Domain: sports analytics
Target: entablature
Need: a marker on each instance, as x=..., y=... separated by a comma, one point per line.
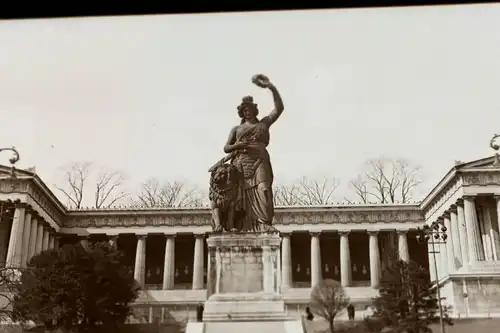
x=472, y=178
x=346, y=214
x=25, y=189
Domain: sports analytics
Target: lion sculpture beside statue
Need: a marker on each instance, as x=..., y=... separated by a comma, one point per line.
x=223, y=195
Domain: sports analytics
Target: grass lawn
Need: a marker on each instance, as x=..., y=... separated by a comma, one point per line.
x=460, y=326
x=129, y=328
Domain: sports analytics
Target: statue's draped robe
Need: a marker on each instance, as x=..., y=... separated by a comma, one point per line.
x=255, y=190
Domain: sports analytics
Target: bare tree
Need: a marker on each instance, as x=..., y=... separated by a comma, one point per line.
x=287, y=195
x=153, y=193
x=328, y=298
x=76, y=176
x=106, y=187
x=318, y=192
x=386, y=181
x=306, y=192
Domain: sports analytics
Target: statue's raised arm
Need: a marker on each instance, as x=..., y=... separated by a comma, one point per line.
x=263, y=81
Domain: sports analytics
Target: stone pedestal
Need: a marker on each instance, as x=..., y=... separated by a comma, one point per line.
x=244, y=286
x=244, y=277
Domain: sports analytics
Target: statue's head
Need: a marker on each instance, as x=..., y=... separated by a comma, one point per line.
x=247, y=108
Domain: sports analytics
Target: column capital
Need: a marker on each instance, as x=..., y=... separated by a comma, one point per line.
x=19, y=204
x=446, y=214
x=453, y=209
x=469, y=197
x=344, y=233
x=497, y=197
x=35, y=215
x=460, y=202
x=285, y=233
x=170, y=235
x=44, y=223
x=199, y=235
x=372, y=232
x=401, y=231
x=141, y=236
x=315, y=233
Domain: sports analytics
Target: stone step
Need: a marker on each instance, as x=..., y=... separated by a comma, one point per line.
x=294, y=326
x=153, y=297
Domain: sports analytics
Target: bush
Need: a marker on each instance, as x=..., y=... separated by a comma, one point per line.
x=75, y=286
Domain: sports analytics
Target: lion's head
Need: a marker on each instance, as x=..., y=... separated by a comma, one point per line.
x=223, y=184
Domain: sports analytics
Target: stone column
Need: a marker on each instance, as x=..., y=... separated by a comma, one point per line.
x=443, y=253
x=198, y=262
x=39, y=237
x=462, y=233
x=345, y=260
x=476, y=252
x=450, y=252
x=33, y=237
x=374, y=259
x=403, y=251
x=56, y=241
x=14, y=251
x=45, y=242
x=485, y=229
x=52, y=238
x=455, y=235
x=140, y=260
x=495, y=235
x=286, y=261
x=26, y=238
x=316, y=271
x=169, y=264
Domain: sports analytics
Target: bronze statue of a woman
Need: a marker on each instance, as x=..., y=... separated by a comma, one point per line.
x=241, y=193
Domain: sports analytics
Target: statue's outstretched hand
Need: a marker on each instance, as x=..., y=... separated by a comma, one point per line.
x=261, y=80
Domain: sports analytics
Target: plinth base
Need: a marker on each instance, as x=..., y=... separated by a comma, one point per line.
x=244, y=307
x=244, y=291
x=292, y=326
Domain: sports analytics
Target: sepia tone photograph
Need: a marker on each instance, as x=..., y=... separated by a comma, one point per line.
x=305, y=171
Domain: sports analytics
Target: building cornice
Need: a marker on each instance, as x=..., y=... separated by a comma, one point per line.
x=477, y=166
x=37, y=195
x=283, y=216
x=438, y=189
x=38, y=182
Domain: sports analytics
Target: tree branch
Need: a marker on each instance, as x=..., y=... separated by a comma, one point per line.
x=386, y=181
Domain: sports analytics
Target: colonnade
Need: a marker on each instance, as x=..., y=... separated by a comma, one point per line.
x=472, y=225
x=29, y=235
x=169, y=262
x=286, y=259
x=345, y=258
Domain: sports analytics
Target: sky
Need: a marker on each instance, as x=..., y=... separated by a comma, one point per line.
x=156, y=96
